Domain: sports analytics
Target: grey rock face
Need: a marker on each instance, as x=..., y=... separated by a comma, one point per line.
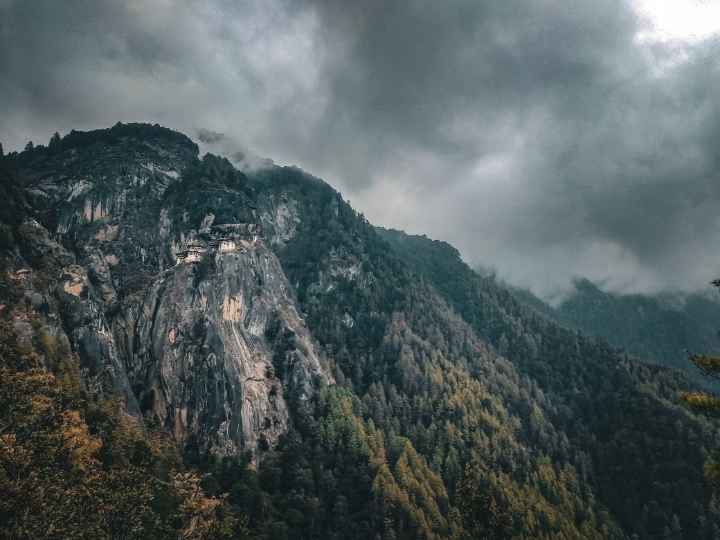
x=201, y=350
x=161, y=275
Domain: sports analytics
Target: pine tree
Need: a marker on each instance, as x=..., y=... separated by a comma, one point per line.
x=675, y=528
x=54, y=141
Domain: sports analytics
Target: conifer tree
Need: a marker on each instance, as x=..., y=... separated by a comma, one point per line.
x=54, y=141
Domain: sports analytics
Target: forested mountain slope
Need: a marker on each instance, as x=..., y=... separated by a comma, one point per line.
x=661, y=329
x=327, y=379
x=596, y=391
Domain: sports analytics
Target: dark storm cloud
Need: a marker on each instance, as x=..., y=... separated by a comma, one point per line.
x=541, y=137
x=90, y=63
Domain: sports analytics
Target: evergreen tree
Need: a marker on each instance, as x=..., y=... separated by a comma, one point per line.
x=675, y=528
x=54, y=141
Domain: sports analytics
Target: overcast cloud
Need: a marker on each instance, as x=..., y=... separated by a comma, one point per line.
x=547, y=139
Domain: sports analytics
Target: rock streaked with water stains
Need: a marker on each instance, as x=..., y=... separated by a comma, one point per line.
x=162, y=277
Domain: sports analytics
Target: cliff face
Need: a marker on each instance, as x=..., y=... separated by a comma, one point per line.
x=157, y=269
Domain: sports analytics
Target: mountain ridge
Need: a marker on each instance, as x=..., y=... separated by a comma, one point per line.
x=336, y=379
x=662, y=329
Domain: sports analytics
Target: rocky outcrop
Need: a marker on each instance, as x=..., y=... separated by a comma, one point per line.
x=157, y=267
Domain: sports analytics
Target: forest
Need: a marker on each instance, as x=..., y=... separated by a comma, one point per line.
x=453, y=410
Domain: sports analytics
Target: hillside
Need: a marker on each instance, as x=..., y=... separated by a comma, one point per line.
x=325, y=379
x=661, y=329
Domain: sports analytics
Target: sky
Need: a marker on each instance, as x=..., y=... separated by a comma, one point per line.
x=546, y=139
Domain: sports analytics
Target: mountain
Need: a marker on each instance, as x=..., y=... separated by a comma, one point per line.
x=290, y=371
x=660, y=328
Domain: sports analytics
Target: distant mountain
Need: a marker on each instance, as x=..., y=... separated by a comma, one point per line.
x=189, y=350
x=660, y=329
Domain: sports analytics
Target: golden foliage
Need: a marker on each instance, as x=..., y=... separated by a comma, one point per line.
x=75, y=467
x=701, y=401
x=77, y=440
x=709, y=365
x=712, y=472
x=196, y=511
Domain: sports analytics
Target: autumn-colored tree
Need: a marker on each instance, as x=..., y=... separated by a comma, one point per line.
x=484, y=509
x=706, y=403
x=75, y=467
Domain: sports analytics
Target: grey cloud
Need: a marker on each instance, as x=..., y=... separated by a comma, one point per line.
x=540, y=136
x=82, y=64
x=547, y=141
x=208, y=136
